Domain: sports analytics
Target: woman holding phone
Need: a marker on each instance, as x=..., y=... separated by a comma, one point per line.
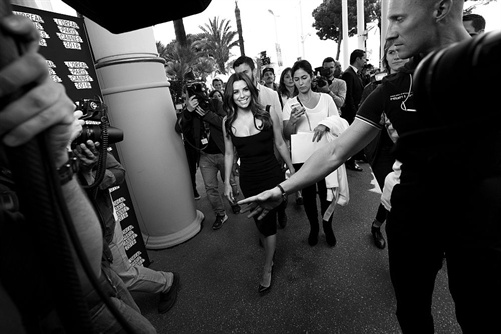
x=303, y=113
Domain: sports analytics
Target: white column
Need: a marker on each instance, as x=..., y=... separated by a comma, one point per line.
x=384, y=24
x=361, y=24
x=135, y=88
x=344, y=44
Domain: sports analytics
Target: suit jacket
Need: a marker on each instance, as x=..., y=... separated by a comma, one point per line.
x=354, y=90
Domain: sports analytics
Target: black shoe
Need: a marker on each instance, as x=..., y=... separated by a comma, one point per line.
x=329, y=233
x=353, y=166
x=282, y=218
x=313, y=237
x=378, y=237
x=168, y=299
x=262, y=289
x=235, y=209
x=220, y=220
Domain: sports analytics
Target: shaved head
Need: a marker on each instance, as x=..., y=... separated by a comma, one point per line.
x=421, y=26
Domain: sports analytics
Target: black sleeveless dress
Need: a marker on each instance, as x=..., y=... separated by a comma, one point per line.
x=259, y=171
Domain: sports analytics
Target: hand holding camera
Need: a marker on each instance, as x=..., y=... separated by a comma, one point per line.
x=88, y=154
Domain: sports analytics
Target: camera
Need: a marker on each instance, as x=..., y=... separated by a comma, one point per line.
x=321, y=78
x=96, y=126
x=199, y=90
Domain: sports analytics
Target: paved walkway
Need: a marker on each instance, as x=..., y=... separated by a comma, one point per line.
x=345, y=289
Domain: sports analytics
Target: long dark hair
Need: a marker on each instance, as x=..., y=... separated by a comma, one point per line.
x=230, y=106
x=384, y=61
x=282, y=89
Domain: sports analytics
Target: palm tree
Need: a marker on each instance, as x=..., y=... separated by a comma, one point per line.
x=240, y=31
x=180, y=32
x=179, y=60
x=218, y=40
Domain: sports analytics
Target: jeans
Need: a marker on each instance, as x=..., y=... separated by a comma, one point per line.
x=210, y=164
x=105, y=322
x=136, y=277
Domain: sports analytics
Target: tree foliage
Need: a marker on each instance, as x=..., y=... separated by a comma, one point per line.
x=328, y=18
x=217, y=41
x=180, y=59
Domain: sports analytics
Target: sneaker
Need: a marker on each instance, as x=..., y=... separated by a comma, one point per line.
x=168, y=299
x=196, y=195
x=235, y=209
x=218, y=223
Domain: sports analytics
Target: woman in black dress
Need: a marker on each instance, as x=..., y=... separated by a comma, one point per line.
x=252, y=129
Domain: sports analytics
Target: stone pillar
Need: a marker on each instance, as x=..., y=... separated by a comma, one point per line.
x=135, y=88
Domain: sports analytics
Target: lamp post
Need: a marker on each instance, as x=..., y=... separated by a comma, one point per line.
x=277, y=45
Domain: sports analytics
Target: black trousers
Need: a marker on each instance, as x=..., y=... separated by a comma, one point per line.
x=458, y=220
x=193, y=157
x=310, y=199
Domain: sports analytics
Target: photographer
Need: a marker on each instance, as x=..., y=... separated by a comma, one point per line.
x=27, y=274
x=136, y=278
x=208, y=145
x=335, y=87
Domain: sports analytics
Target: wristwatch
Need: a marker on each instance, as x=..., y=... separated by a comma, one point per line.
x=284, y=194
x=69, y=168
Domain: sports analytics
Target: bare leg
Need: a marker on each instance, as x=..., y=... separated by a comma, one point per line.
x=269, y=249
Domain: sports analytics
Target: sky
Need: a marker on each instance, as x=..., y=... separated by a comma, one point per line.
x=290, y=20
x=290, y=25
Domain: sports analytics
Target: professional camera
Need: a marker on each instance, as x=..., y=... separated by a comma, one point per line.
x=198, y=89
x=321, y=78
x=96, y=127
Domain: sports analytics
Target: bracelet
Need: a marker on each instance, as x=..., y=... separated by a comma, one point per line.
x=284, y=194
x=69, y=168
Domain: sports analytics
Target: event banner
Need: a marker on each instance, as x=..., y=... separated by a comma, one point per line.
x=70, y=62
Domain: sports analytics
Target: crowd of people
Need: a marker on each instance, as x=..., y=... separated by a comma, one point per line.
x=254, y=135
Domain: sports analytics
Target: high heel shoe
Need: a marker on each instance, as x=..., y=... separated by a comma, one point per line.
x=262, y=289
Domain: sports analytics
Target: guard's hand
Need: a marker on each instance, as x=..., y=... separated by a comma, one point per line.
x=262, y=203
